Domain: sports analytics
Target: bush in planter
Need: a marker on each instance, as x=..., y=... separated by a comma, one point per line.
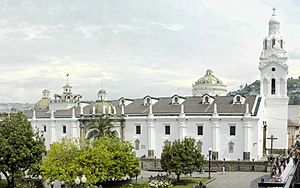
x=159, y=184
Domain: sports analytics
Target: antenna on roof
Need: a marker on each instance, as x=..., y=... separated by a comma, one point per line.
x=67, y=77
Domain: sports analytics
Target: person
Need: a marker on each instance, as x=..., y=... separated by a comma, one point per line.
x=223, y=169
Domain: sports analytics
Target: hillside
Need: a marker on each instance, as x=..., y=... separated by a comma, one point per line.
x=293, y=86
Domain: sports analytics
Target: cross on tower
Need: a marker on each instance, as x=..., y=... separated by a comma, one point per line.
x=67, y=77
x=274, y=9
x=272, y=138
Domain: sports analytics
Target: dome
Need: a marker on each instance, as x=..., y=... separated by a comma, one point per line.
x=209, y=78
x=102, y=105
x=209, y=84
x=42, y=104
x=46, y=91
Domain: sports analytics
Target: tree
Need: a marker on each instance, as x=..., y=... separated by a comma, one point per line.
x=20, y=147
x=104, y=159
x=61, y=161
x=181, y=157
x=102, y=127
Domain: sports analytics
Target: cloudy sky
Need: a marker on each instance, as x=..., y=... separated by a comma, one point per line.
x=135, y=47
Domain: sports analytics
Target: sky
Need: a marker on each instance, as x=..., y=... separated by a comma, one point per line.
x=134, y=48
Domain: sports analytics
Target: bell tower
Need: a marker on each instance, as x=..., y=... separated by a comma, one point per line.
x=273, y=84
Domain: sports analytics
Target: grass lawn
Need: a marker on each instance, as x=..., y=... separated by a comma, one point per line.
x=189, y=182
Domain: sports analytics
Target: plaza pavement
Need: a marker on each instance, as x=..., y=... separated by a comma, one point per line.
x=228, y=180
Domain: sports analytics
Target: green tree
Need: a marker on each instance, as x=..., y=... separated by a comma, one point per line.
x=61, y=161
x=102, y=126
x=181, y=157
x=20, y=147
x=104, y=159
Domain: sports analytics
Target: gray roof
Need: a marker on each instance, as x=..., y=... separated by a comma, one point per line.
x=192, y=106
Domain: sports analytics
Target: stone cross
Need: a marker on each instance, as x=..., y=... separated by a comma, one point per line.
x=272, y=138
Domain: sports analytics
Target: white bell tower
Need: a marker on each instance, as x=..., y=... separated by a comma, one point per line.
x=273, y=85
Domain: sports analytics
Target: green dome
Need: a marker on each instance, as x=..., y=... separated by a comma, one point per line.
x=99, y=105
x=209, y=78
x=42, y=104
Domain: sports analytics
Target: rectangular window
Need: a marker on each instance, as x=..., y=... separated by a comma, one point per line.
x=45, y=128
x=138, y=129
x=167, y=130
x=232, y=130
x=200, y=130
x=64, y=129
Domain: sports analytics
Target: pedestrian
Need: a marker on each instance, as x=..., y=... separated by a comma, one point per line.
x=223, y=170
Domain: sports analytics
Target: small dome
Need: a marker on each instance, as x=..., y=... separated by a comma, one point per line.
x=102, y=105
x=67, y=86
x=46, y=91
x=102, y=94
x=209, y=78
x=42, y=104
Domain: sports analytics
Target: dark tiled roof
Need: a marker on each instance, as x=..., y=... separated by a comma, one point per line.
x=164, y=106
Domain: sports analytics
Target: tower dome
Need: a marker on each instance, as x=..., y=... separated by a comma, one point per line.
x=209, y=84
x=43, y=103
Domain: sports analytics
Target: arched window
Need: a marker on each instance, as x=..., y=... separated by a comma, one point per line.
x=273, y=43
x=265, y=44
x=281, y=44
x=199, y=146
x=148, y=101
x=137, y=144
x=273, y=87
x=123, y=102
x=230, y=147
x=206, y=100
x=176, y=100
x=238, y=99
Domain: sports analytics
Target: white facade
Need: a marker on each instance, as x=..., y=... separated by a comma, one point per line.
x=231, y=125
x=274, y=71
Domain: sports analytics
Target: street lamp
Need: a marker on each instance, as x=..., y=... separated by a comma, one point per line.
x=77, y=181
x=209, y=159
x=83, y=181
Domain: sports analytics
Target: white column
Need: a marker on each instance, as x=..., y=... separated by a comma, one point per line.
x=53, y=137
x=151, y=136
x=277, y=89
x=74, y=130
x=182, y=125
x=182, y=130
x=247, y=136
x=216, y=136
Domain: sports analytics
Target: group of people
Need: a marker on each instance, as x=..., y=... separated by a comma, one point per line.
x=279, y=165
x=200, y=185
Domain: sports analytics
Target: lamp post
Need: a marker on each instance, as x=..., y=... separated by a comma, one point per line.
x=77, y=181
x=209, y=159
x=82, y=181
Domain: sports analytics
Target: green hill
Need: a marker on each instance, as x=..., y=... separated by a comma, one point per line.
x=293, y=87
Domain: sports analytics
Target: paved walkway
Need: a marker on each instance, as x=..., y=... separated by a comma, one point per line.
x=228, y=180
x=237, y=179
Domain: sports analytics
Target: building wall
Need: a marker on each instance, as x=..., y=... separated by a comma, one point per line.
x=191, y=124
x=54, y=129
x=276, y=114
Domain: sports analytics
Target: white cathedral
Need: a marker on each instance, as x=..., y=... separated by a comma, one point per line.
x=235, y=127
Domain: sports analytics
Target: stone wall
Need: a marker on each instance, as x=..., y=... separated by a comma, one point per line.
x=152, y=164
